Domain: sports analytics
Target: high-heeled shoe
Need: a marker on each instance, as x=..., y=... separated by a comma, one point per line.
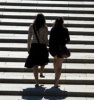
x=42, y=76
x=56, y=86
x=37, y=85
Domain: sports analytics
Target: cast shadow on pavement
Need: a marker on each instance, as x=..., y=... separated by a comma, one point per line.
x=41, y=93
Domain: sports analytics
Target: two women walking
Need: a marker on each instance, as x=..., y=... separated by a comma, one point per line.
x=37, y=46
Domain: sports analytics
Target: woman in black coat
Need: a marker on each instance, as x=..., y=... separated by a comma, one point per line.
x=59, y=36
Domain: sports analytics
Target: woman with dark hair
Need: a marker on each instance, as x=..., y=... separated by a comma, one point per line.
x=59, y=36
x=37, y=46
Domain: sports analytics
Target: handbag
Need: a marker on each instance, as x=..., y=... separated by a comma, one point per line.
x=67, y=52
x=63, y=51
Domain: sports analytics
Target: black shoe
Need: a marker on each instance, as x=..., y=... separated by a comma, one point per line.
x=36, y=85
x=42, y=76
x=56, y=86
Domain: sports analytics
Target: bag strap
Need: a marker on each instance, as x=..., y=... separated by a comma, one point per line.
x=36, y=34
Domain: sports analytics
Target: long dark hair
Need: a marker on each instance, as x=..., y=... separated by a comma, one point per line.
x=39, y=21
x=59, y=22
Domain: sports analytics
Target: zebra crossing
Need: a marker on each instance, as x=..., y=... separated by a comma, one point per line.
x=77, y=79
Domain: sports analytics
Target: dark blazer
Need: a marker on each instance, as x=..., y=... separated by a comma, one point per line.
x=59, y=36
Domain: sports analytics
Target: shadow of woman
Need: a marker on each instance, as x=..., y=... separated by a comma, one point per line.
x=55, y=94
x=43, y=93
x=33, y=93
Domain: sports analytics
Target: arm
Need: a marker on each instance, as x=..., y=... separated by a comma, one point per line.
x=46, y=35
x=68, y=37
x=29, y=39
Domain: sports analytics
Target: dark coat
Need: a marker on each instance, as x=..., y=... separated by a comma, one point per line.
x=59, y=36
x=57, y=41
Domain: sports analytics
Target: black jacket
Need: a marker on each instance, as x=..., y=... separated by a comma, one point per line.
x=59, y=36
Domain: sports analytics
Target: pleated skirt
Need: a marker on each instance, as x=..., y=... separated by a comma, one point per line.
x=38, y=55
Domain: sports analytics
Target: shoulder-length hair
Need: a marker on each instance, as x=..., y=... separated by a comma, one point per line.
x=59, y=22
x=39, y=21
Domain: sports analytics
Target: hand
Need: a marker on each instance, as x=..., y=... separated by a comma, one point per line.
x=28, y=50
x=55, y=57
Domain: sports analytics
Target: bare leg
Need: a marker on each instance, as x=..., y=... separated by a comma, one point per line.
x=35, y=70
x=57, y=66
x=41, y=71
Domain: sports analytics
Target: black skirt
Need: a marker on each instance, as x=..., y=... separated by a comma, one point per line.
x=38, y=55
